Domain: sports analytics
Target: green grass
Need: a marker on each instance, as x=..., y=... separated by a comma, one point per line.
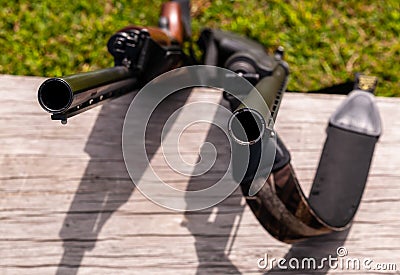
x=326, y=42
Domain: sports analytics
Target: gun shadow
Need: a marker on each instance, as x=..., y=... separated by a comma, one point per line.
x=105, y=185
x=214, y=229
x=318, y=248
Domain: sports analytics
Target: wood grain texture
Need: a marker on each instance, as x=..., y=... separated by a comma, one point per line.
x=68, y=206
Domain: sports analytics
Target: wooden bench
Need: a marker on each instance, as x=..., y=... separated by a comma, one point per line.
x=68, y=206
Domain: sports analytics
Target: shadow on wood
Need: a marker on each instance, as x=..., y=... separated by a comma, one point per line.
x=317, y=248
x=214, y=229
x=106, y=185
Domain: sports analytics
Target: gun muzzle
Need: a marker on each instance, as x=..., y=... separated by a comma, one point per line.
x=55, y=95
x=246, y=126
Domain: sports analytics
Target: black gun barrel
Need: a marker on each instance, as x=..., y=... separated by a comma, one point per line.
x=253, y=114
x=251, y=127
x=70, y=95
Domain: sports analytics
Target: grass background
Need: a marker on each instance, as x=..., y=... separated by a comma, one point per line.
x=326, y=42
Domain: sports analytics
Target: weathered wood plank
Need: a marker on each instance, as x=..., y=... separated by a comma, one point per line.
x=67, y=204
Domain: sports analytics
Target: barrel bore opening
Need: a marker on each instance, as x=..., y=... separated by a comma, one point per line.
x=246, y=126
x=55, y=95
